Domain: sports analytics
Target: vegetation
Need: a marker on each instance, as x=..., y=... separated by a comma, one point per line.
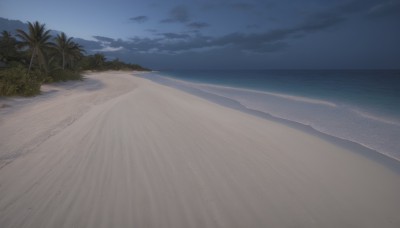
x=65, y=47
x=16, y=81
x=37, y=40
x=98, y=62
x=8, y=48
x=35, y=57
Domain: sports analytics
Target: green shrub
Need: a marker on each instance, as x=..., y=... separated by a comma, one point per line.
x=15, y=81
x=63, y=75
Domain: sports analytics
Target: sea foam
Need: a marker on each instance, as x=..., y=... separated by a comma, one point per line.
x=335, y=119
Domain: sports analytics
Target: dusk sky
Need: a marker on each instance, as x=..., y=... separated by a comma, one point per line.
x=227, y=34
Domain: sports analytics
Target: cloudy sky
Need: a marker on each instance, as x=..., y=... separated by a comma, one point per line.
x=227, y=34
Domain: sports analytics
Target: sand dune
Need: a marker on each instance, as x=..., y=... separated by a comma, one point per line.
x=122, y=151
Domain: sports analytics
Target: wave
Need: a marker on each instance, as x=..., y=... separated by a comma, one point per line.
x=375, y=117
x=337, y=120
x=286, y=96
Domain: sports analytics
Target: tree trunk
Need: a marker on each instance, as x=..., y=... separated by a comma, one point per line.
x=72, y=63
x=63, y=59
x=30, y=64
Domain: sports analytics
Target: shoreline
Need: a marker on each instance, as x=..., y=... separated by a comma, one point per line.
x=234, y=104
x=122, y=151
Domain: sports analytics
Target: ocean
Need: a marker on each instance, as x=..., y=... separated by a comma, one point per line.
x=361, y=106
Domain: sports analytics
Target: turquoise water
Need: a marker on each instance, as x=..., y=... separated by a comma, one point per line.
x=362, y=106
x=374, y=90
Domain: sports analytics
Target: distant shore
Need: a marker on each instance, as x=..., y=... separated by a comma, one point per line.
x=118, y=150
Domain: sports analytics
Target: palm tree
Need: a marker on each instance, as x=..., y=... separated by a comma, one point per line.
x=68, y=49
x=8, y=49
x=37, y=40
x=62, y=44
x=99, y=60
x=74, y=52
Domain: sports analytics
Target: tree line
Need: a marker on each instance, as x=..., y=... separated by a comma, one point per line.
x=34, y=57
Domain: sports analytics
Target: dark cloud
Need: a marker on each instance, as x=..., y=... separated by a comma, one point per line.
x=384, y=9
x=170, y=35
x=180, y=44
x=88, y=45
x=356, y=6
x=198, y=25
x=152, y=30
x=103, y=38
x=366, y=7
x=270, y=41
x=369, y=8
x=334, y=16
x=103, y=44
x=139, y=19
x=264, y=42
x=177, y=14
x=142, y=45
x=341, y=13
x=256, y=43
x=320, y=21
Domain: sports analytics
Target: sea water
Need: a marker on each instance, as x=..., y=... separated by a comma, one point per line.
x=362, y=106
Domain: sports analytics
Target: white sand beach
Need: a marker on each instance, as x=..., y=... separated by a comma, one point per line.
x=121, y=151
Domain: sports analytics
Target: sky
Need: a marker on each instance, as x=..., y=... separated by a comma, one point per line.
x=227, y=34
